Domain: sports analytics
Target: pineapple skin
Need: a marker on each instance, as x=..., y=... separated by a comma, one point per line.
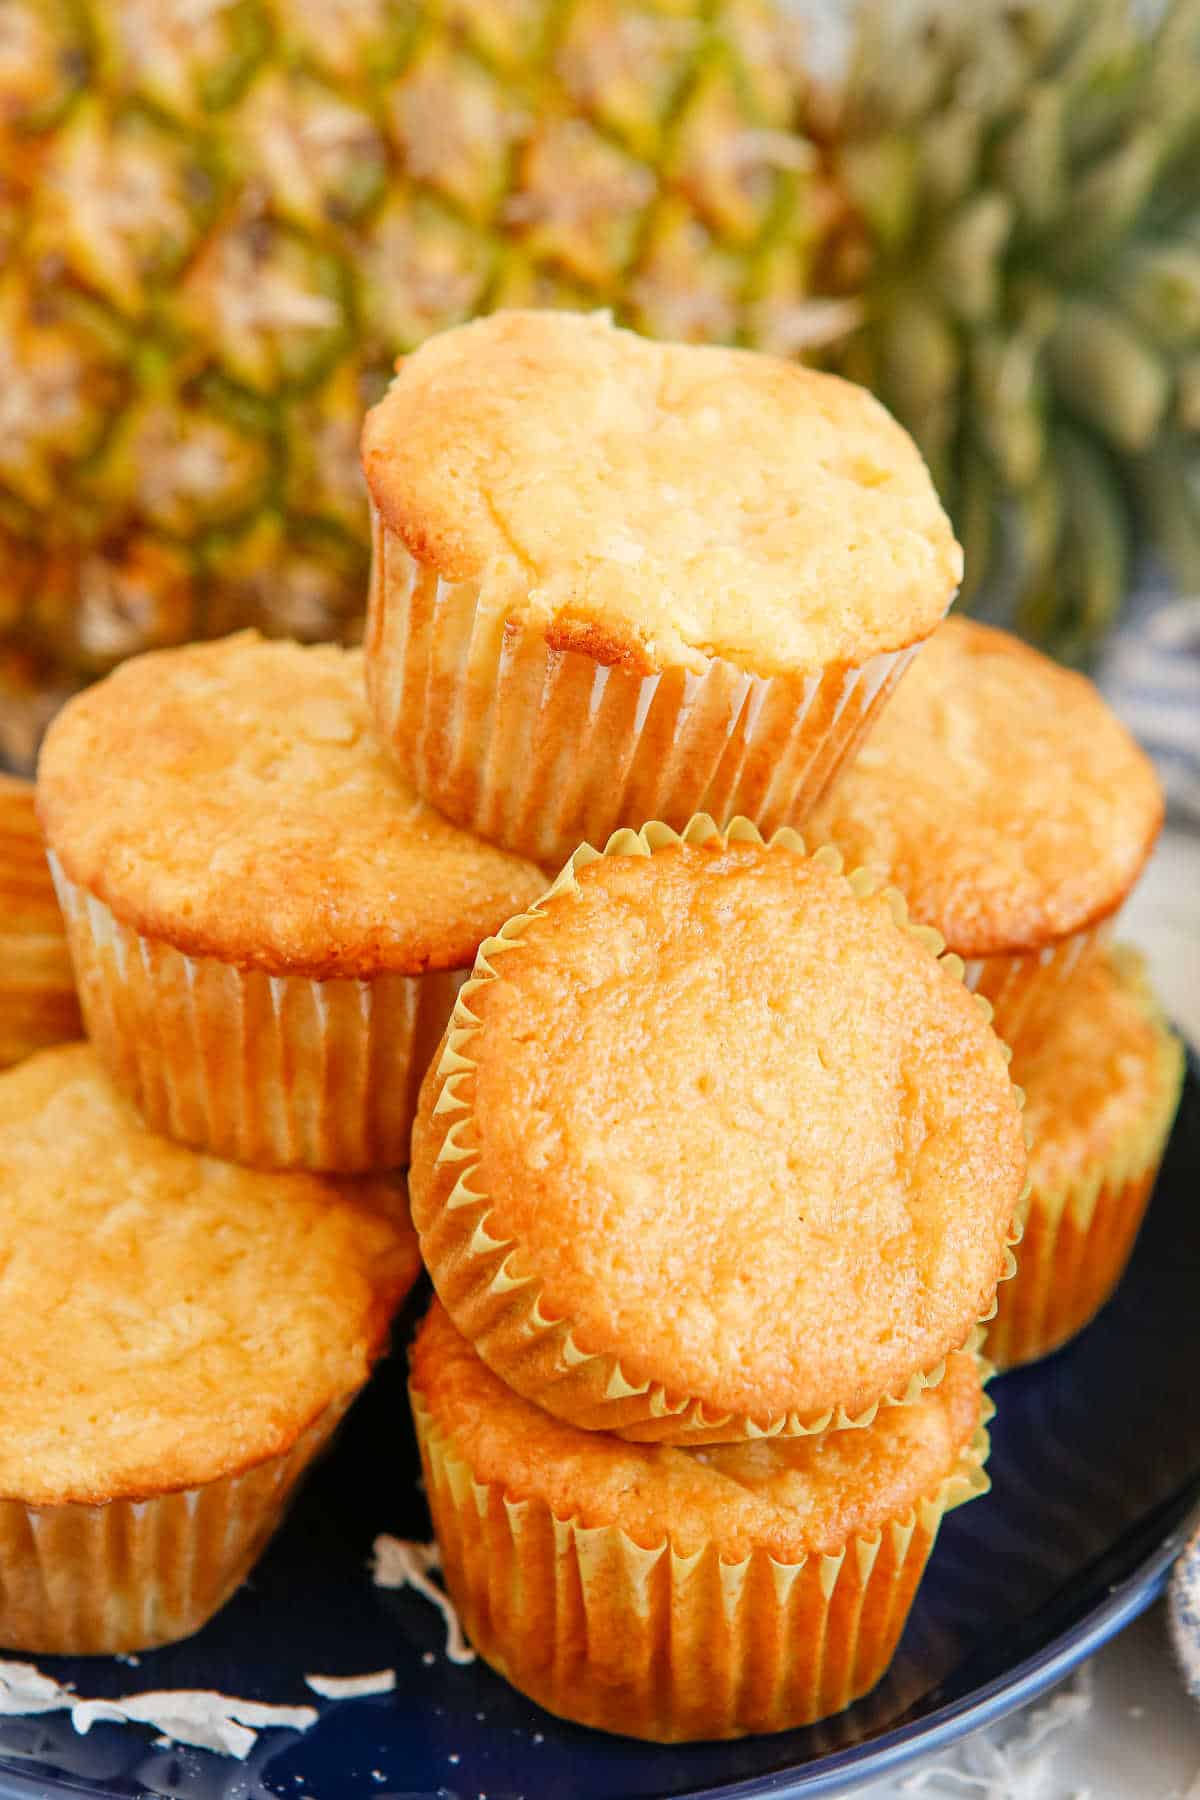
x=222, y=220
x=1029, y=175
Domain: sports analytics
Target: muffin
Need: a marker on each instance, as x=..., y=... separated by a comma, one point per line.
x=1102, y=1085
x=268, y=927
x=179, y=1338
x=38, y=1005
x=616, y=580
x=717, y=1147
x=667, y=1593
x=1009, y=805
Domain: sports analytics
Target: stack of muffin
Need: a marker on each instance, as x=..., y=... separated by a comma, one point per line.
x=717, y=1163
x=268, y=929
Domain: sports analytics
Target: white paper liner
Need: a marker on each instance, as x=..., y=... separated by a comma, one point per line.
x=274, y=1071
x=81, y=1580
x=539, y=750
x=1024, y=990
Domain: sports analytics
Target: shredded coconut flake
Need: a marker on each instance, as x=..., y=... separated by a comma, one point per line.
x=206, y=1720
x=352, y=1687
x=24, y=1689
x=402, y=1562
x=209, y=1721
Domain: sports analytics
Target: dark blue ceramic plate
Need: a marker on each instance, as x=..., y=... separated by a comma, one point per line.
x=1095, y=1463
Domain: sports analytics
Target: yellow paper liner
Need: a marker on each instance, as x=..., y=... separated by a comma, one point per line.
x=38, y=1004
x=274, y=1071
x=1024, y=990
x=539, y=750
x=650, y=1643
x=103, y=1580
x=501, y=1314
x=28, y=907
x=1079, y=1236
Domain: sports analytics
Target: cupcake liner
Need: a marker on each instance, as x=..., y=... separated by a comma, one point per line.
x=80, y=1580
x=274, y=1071
x=539, y=750
x=1078, y=1238
x=28, y=907
x=500, y=1313
x=38, y=1002
x=1022, y=990
x=650, y=1643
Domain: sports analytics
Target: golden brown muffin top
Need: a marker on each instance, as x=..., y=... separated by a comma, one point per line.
x=1103, y=1076
x=28, y=907
x=741, y=1128
x=999, y=793
x=656, y=505
x=165, y=1318
x=793, y=1497
x=230, y=798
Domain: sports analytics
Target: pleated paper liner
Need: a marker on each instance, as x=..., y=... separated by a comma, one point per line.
x=539, y=750
x=28, y=907
x=650, y=1643
x=1024, y=990
x=274, y=1071
x=38, y=1004
x=1079, y=1236
x=501, y=1314
x=80, y=1580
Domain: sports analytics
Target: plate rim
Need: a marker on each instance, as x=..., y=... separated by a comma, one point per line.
x=1005, y=1693
x=993, y=1700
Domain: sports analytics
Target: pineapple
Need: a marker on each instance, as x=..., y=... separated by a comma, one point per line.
x=1030, y=174
x=223, y=219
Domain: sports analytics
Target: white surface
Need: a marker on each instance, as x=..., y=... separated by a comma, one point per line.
x=1139, y=1738
x=1163, y=919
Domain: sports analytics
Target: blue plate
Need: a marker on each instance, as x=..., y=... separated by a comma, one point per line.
x=1095, y=1465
